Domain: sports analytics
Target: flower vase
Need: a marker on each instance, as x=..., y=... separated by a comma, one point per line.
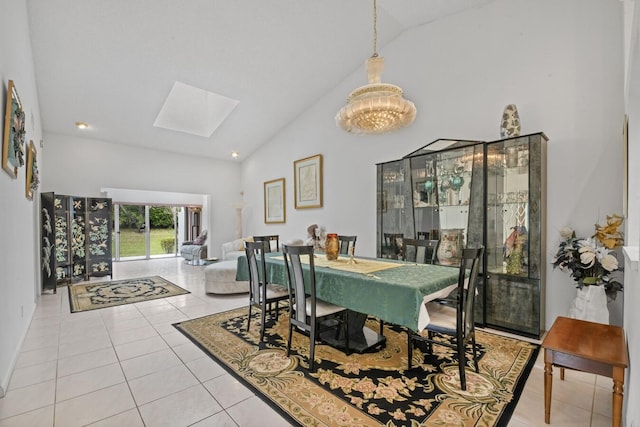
x=590, y=304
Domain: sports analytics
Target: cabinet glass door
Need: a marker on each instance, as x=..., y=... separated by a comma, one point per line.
x=425, y=197
x=442, y=195
x=395, y=220
x=507, y=250
x=514, y=298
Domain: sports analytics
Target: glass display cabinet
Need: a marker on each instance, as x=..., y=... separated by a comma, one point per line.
x=515, y=234
x=469, y=194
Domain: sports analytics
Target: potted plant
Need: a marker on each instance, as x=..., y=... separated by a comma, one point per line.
x=593, y=264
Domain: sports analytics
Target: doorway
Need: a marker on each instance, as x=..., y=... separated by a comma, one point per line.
x=145, y=231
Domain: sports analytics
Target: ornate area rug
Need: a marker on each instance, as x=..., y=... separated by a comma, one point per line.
x=366, y=389
x=93, y=295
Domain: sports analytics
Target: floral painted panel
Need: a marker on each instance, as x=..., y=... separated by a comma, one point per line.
x=62, y=230
x=98, y=236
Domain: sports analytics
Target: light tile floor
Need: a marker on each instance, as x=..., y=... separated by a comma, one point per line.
x=127, y=366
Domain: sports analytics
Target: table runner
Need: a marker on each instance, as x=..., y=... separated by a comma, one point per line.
x=360, y=265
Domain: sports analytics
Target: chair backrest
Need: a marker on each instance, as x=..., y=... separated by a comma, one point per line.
x=257, y=270
x=420, y=251
x=268, y=240
x=300, y=284
x=347, y=242
x=467, y=285
x=393, y=242
x=434, y=234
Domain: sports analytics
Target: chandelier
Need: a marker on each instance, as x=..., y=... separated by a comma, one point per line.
x=376, y=107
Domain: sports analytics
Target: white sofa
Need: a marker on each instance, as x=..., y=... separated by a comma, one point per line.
x=233, y=250
x=220, y=278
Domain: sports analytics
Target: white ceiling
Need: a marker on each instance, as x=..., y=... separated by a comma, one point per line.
x=112, y=63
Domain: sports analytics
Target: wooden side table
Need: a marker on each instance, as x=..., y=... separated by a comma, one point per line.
x=589, y=347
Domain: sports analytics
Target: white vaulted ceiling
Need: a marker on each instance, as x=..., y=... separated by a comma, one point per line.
x=113, y=63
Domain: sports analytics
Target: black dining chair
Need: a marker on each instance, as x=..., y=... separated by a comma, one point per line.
x=456, y=324
x=268, y=247
x=420, y=251
x=346, y=243
x=392, y=245
x=261, y=293
x=306, y=311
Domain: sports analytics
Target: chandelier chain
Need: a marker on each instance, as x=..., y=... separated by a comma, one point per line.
x=375, y=30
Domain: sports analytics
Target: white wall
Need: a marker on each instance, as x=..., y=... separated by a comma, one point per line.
x=19, y=262
x=632, y=233
x=83, y=167
x=560, y=62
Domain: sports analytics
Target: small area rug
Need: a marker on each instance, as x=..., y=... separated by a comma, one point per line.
x=366, y=389
x=94, y=295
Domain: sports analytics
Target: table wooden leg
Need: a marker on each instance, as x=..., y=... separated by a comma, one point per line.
x=548, y=382
x=618, y=381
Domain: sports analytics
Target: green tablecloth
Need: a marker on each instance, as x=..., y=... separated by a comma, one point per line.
x=395, y=295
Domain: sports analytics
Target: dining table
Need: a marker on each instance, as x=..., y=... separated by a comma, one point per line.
x=391, y=290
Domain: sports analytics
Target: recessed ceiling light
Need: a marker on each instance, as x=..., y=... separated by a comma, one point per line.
x=234, y=154
x=82, y=125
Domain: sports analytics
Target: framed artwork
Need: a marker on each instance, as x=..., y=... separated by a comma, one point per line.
x=14, y=132
x=275, y=210
x=33, y=178
x=308, y=182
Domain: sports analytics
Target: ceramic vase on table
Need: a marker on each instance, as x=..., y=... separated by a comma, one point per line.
x=332, y=247
x=590, y=304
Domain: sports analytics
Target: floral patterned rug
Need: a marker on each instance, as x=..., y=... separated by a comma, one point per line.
x=93, y=295
x=366, y=389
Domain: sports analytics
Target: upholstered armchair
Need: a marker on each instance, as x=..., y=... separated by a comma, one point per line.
x=195, y=249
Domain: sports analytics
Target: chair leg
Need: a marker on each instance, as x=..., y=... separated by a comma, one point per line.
x=263, y=315
x=475, y=353
x=410, y=346
x=249, y=318
x=312, y=345
x=289, y=340
x=461, y=364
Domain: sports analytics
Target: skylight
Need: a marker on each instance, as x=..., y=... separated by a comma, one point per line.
x=193, y=110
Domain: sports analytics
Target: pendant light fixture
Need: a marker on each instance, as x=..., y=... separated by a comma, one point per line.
x=376, y=107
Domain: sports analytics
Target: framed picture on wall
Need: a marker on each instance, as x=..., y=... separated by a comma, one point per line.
x=308, y=182
x=32, y=178
x=14, y=133
x=275, y=210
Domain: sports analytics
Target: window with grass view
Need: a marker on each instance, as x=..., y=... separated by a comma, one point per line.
x=145, y=231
